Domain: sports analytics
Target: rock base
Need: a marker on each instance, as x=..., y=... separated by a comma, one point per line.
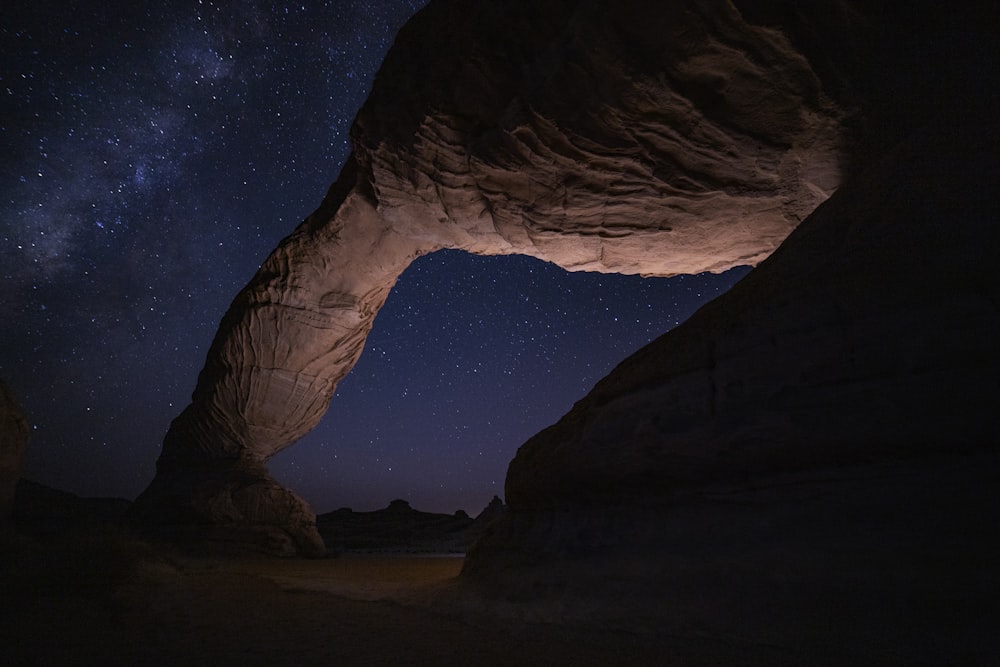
x=233, y=506
x=877, y=564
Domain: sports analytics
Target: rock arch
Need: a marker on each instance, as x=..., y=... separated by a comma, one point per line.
x=601, y=136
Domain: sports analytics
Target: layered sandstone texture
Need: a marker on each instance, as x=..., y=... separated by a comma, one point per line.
x=871, y=334
x=630, y=137
x=13, y=443
x=809, y=463
x=813, y=453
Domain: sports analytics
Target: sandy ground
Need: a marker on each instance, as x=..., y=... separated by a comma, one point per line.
x=359, y=610
x=885, y=565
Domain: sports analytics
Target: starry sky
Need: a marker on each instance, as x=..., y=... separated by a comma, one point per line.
x=151, y=159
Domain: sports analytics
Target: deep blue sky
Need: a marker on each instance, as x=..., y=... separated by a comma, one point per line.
x=151, y=160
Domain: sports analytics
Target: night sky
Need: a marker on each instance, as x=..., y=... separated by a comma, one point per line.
x=151, y=160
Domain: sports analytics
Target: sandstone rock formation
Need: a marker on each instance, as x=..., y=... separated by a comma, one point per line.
x=13, y=442
x=631, y=137
x=871, y=335
x=794, y=464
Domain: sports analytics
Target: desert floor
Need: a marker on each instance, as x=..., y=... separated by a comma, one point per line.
x=884, y=565
x=356, y=609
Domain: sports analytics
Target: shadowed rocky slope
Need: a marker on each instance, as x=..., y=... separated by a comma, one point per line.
x=13, y=442
x=42, y=510
x=633, y=137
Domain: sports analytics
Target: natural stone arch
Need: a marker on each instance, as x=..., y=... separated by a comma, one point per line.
x=599, y=136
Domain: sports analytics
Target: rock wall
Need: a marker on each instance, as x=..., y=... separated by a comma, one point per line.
x=869, y=336
x=805, y=471
x=631, y=137
x=797, y=463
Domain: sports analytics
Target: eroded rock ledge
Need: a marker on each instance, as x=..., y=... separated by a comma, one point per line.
x=869, y=336
x=631, y=137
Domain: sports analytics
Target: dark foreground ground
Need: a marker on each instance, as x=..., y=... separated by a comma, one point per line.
x=890, y=564
x=355, y=610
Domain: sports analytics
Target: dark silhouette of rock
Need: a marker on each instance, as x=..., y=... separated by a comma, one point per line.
x=629, y=137
x=399, y=506
x=42, y=509
x=493, y=511
x=13, y=443
x=400, y=528
x=228, y=506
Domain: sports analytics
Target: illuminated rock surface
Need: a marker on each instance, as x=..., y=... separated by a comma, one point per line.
x=596, y=135
x=870, y=335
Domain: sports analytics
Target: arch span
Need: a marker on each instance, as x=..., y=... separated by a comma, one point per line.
x=600, y=136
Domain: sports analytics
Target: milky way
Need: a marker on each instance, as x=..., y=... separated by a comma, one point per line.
x=151, y=161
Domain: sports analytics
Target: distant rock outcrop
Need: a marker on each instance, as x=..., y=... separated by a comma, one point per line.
x=13, y=443
x=493, y=511
x=400, y=528
x=42, y=509
x=628, y=137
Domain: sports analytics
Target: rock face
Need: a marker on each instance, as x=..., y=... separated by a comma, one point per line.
x=631, y=137
x=39, y=509
x=13, y=442
x=871, y=335
x=808, y=451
